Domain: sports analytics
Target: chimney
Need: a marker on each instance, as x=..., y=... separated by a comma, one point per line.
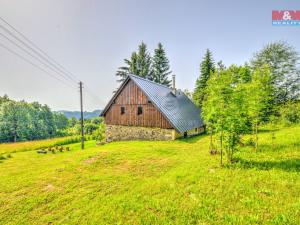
x=173, y=85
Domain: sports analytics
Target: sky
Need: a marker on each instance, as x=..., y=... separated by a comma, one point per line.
x=92, y=38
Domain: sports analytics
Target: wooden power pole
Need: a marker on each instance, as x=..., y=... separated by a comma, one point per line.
x=81, y=116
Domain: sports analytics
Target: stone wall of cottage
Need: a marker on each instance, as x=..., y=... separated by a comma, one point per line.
x=123, y=133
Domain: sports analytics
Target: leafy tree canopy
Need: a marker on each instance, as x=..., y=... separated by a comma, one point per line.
x=283, y=61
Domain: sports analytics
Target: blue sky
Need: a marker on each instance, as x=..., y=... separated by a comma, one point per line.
x=91, y=39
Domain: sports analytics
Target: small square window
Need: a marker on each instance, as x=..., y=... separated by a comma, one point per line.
x=122, y=110
x=140, y=110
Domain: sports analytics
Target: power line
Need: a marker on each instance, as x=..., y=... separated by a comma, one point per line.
x=92, y=94
x=36, y=52
x=72, y=76
x=49, y=62
x=33, y=64
x=33, y=56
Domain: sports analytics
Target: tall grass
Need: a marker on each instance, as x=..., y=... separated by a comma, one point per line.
x=33, y=145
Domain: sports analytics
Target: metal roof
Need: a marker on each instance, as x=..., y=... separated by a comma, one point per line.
x=178, y=109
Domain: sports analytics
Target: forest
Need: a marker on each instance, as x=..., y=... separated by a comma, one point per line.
x=234, y=100
x=23, y=121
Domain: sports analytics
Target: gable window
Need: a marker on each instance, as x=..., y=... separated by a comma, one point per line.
x=140, y=110
x=122, y=110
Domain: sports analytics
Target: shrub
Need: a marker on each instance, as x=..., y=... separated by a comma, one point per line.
x=99, y=134
x=290, y=113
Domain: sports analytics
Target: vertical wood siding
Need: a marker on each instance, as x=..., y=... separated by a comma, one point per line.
x=131, y=97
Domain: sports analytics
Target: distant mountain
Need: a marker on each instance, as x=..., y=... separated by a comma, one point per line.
x=76, y=114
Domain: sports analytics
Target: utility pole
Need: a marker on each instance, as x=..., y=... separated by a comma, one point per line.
x=81, y=116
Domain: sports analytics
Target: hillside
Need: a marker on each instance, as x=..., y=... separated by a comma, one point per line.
x=76, y=114
x=146, y=182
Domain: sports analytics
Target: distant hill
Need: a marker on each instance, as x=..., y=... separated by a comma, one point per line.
x=76, y=114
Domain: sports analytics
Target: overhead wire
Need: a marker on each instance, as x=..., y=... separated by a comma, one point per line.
x=33, y=64
x=71, y=76
x=49, y=62
x=33, y=56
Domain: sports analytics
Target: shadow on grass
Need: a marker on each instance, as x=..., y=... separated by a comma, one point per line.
x=277, y=147
x=192, y=139
x=286, y=165
x=2, y=158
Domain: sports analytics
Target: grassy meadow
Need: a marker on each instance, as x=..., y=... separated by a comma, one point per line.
x=33, y=145
x=144, y=182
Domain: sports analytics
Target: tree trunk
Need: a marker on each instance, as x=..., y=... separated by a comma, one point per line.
x=221, y=146
x=273, y=137
x=15, y=131
x=256, y=136
x=210, y=144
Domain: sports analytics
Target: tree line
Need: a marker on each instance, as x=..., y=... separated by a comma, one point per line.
x=234, y=100
x=238, y=99
x=22, y=121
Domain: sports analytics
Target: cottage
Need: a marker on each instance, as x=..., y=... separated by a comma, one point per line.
x=144, y=110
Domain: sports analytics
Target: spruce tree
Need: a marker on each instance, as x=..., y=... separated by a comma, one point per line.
x=143, y=62
x=139, y=64
x=207, y=67
x=161, y=67
x=130, y=67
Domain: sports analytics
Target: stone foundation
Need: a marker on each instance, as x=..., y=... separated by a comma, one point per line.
x=189, y=133
x=123, y=133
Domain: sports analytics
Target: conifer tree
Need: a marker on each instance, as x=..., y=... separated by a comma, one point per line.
x=139, y=64
x=144, y=62
x=207, y=67
x=161, y=67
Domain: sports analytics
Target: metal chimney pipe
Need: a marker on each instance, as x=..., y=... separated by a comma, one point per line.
x=173, y=84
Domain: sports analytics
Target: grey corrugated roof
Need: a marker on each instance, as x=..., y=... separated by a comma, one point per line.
x=178, y=110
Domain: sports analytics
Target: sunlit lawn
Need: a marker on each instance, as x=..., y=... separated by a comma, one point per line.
x=32, y=145
x=175, y=182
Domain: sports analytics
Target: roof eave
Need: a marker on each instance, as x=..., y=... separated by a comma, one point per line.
x=114, y=96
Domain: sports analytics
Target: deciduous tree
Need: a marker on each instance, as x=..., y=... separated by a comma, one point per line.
x=283, y=61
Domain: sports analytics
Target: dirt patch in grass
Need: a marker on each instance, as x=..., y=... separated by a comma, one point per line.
x=145, y=167
x=90, y=160
x=49, y=188
x=93, y=159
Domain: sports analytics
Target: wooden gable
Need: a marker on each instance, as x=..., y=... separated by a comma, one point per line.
x=131, y=97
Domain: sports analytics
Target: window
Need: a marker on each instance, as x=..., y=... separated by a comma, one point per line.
x=122, y=110
x=140, y=110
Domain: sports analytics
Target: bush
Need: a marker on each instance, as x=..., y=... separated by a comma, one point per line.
x=290, y=113
x=99, y=134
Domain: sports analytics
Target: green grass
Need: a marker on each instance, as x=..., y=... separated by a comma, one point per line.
x=33, y=145
x=145, y=182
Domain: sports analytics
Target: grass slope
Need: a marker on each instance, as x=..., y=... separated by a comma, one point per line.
x=33, y=145
x=154, y=183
